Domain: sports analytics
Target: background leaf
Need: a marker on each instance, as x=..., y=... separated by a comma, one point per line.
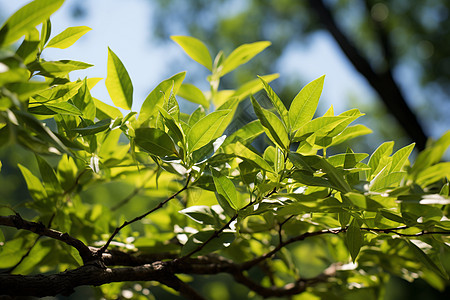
x=195, y=49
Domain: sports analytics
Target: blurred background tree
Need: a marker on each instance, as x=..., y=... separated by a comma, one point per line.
x=401, y=48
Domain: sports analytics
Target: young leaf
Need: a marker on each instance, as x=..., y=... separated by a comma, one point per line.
x=155, y=141
x=246, y=133
x=277, y=103
x=354, y=239
x=305, y=103
x=192, y=93
x=350, y=133
x=399, y=158
x=195, y=49
x=68, y=37
x=206, y=130
x=241, y=55
x=384, y=150
x=253, y=86
x=156, y=97
x=26, y=18
x=245, y=153
x=226, y=189
x=118, y=82
x=273, y=126
x=104, y=110
x=46, y=30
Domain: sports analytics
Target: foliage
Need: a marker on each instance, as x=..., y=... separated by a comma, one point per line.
x=162, y=196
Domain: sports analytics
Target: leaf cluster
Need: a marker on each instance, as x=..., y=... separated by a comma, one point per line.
x=170, y=190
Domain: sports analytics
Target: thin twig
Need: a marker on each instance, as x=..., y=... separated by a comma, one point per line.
x=126, y=223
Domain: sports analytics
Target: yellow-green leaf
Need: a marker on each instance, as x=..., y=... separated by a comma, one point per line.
x=118, y=82
x=26, y=18
x=195, y=49
x=68, y=37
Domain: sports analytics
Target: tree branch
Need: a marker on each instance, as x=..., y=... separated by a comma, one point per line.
x=126, y=223
x=16, y=221
x=383, y=83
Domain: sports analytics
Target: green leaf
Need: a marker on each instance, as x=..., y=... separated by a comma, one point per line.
x=206, y=130
x=241, y=55
x=354, y=239
x=320, y=127
x=68, y=37
x=196, y=115
x=339, y=159
x=386, y=179
x=155, y=141
x=277, y=103
x=195, y=49
x=433, y=154
x=273, y=126
x=104, y=110
x=26, y=18
x=48, y=108
x=58, y=68
x=48, y=175
x=94, y=128
x=156, y=97
x=192, y=93
x=200, y=213
x=246, y=133
x=25, y=90
x=350, y=133
x=376, y=159
x=84, y=102
x=46, y=30
x=197, y=239
x=253, y=86
x=118, y=82
x=305, y=103
x=226, y=189
x=243, y=152
x=426, y=260
x=36, y=255
x=30, y=46
x=399, y=158
x=433, y=173
x=427, y=199
x=35, y=187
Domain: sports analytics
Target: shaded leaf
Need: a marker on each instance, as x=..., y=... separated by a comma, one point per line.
x=155, y=141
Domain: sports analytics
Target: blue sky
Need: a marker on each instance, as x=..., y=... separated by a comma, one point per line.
x=125, y=27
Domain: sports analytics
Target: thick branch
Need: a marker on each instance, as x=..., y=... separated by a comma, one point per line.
x=383, y=83
x=16, y=221
x=64, y=283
